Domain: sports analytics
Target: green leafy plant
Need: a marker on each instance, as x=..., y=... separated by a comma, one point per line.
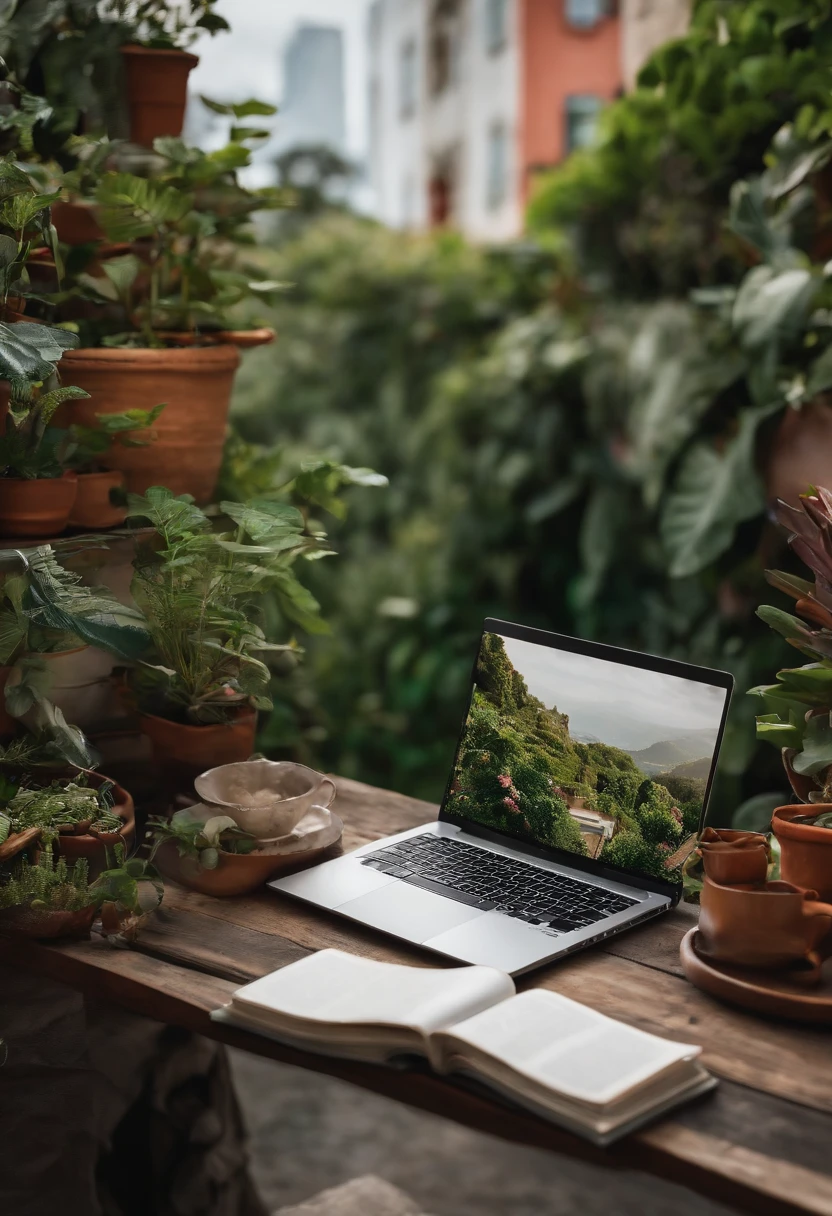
x=201, y=838
x=87, y=446
x=200, y=590
x=158, y=23
x=799, y=704
x=25, y=223
x=132, y=886
x=183, y=224
x=47, y=886
x=63, y=806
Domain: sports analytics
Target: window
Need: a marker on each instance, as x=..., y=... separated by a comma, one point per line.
x=445, y=42
x=496, y=20
x=496, y=186
x=407, y=80
x=584, y=14
x=582, y=112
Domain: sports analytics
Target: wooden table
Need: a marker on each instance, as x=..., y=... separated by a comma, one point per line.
x=761, y=1142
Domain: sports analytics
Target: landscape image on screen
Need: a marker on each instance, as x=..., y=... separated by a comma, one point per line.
x=601, y=759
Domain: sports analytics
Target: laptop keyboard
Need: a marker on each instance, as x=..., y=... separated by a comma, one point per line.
x=489, y=881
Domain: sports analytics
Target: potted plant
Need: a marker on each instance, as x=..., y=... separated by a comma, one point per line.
x=100, y=501
x=57, y=638
x=209, y=853
x=164, y=332
x=799, y=705
x=80, y=817
x=47, y=899
x=200, y=686
x=25, y=225
x=156, y=64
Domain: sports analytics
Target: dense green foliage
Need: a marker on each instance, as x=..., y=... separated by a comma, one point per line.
x=576, y=434
x=519, y=771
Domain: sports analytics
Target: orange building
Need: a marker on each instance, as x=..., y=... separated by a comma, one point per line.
x=470, y=98
x=571, y=66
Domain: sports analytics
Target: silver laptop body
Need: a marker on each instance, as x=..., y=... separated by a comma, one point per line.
x=487, y=884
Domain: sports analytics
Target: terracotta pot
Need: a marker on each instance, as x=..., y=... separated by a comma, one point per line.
x=770, y=926
x=13, y=310
x=234, y=874
x=76, y=222
x=37, y=507
x=92, y=508
x=244, y=338
x=196, y=385
x=44, y=925
x=730, y=856
x=80, y=684
x=157, y=91
x=805, y=851
x=183, y=752
x=94, y=847
x=801, y=451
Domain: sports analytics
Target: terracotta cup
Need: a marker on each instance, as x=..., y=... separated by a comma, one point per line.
x=770, y=926
x=265, y=797
x=730, y=857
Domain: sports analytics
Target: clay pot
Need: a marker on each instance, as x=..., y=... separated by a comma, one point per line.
x=245, y=339
x=157, y=91
x=730, y=856
x=92, y=508
x=94, y=848
x=76, y=222
x=80, y=684
x=195, y=383
x=43, y=925
x=805, y=851
x=36, y=507
x=769, y=926
x=235, y=874
x=266, y=798
x=183, y=752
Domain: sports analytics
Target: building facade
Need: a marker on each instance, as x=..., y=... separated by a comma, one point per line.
x=469, y=99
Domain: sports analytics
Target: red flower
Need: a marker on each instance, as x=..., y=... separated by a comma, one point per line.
x=512, y=805
x=504, y=780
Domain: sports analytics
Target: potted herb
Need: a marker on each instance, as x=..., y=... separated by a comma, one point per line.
x=157, y=65
x=81, y=817
x=46, y=899
x=100, y=501
x=200, y=686
x=799, y=705
x=209, y=853
x=164, y=331
x=25, y=225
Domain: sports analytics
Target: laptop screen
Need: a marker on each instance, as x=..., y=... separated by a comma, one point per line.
x=607, y=758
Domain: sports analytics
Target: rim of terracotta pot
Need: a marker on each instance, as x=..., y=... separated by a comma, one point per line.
x=67, y=475
x=133, y=48
x=243, y=338
x=205, y=359
x=244, y=719
x=781, y=823
x=96, y=474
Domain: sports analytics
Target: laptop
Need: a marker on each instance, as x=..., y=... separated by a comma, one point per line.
x=581, y=778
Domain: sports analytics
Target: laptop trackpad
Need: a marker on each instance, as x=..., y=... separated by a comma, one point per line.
x=408, y=912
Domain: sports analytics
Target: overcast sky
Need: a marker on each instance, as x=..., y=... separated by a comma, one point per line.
x=248, y=61
x=624, y=706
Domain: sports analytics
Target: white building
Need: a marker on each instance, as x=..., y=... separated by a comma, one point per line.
x=444, y=113
x=311, y=108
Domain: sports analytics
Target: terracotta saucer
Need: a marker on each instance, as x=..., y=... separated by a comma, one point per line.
x=773, y=993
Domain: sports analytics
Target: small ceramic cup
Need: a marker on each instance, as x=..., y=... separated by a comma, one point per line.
x=267, y=798
x=730, y=857
x=770, y=926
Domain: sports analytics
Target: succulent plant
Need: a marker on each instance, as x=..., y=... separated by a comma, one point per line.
x=799, y=704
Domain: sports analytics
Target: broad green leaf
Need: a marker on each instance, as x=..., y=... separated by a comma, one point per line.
x=817, y=747
x=29, y=351
x=713, y=493
x=819, y=378
x=772, y=304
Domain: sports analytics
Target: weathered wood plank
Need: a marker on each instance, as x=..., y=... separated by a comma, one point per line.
x=686, y=1152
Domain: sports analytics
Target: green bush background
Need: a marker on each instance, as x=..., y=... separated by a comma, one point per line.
x=574, y=428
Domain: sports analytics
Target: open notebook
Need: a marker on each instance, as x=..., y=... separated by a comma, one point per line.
x=588, y=1073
